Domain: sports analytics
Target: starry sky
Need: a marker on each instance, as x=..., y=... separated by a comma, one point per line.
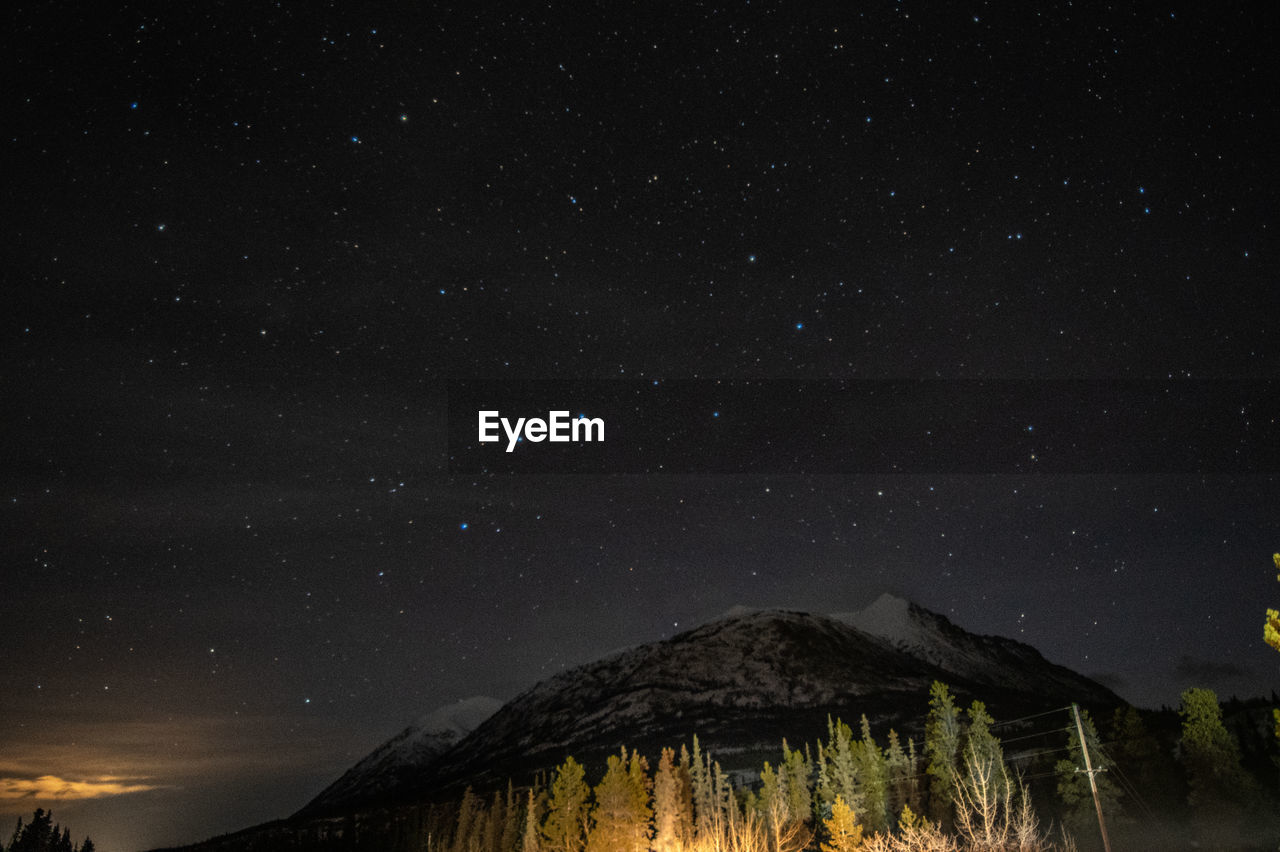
x=969, y=302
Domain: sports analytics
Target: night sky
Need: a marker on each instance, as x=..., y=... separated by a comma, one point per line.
x=260, y=257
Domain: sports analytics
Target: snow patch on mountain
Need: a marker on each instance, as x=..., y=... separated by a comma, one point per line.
x=888, y=617
x=459, y=718
x=407, y=752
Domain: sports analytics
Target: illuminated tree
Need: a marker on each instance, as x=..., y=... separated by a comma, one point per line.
x=531, y=842
x=942, y=734
x=843, y=831
x=620, y=818
x=565, y=826
x=1271, y=629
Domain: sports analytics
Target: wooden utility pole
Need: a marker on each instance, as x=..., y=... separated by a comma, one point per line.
x=1089, y=770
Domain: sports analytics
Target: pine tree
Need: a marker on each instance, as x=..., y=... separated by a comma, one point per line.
x=640, y=789
x=468, y=810
x=511, y=822
x=620, y=818
x=684, y=801
x=843, y=832
x=897, y=774
x=87, y=846
x=531, y=842
x=799, y=775
x=872, y=777
x=1080, y=814
x=565, y=826
x=942, y=746
x=665, y=809
x=1271, y=627
x=841, y=768
x=983, y=745
x=1212, y=756
x=490, y=828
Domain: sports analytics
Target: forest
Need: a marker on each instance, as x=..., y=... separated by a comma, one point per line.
x=1163, y=781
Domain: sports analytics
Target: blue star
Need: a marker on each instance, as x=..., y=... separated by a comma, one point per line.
x=133, y=105
x=799, y=326
x=464, y=526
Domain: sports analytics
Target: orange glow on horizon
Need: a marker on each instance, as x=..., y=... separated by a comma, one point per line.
x=54, y=788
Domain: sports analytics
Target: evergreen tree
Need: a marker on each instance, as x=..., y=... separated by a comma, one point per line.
x=684, y=801
x=491, y=823
x=565, y=826
x=1212, y=756
x=640, y=788
x=843, y=832
x=87, y=846
x=666, y=788
x=468, y=810
x=1079, y=813
x=799, y=774
x=872, y=777
x=511, y=822
x=897, y=774
x=942, y=736
x=1271, y=627
x=620, y=818
x=531, y=842
x=842, y=780
x=913, y=778
x=703, y=800
x=983, y=746
x=37, y=835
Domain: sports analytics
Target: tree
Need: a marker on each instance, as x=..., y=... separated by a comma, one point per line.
x=565, y=826
x=511, y=822
x=1271, y=628
x=1271, y=634
x=873, y=780
x=531, y=842
x=87, y=846
x=665, y=808
x=1212, y=756
x=941, y=746
x=843, y=832
x=1073, y=784
x=838, y=768
x=799, y=772
x=620, y=818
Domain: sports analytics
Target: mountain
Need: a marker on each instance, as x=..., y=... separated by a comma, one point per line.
x=388, y=767
x=740, y=683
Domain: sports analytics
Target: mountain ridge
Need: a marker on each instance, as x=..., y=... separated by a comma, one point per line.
x=740, y=682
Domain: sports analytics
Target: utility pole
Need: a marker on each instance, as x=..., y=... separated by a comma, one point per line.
x=1089, y=770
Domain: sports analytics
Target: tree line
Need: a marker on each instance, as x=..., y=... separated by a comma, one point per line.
x=961, y=788
x=1163, y=781
x=42, y=834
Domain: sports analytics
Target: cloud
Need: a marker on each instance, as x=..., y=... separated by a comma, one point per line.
x=52, y=787
x=1111, y=680
x=1192, y=669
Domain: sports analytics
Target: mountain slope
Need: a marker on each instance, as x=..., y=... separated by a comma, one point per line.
x=404, y=756
x=740, y=683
